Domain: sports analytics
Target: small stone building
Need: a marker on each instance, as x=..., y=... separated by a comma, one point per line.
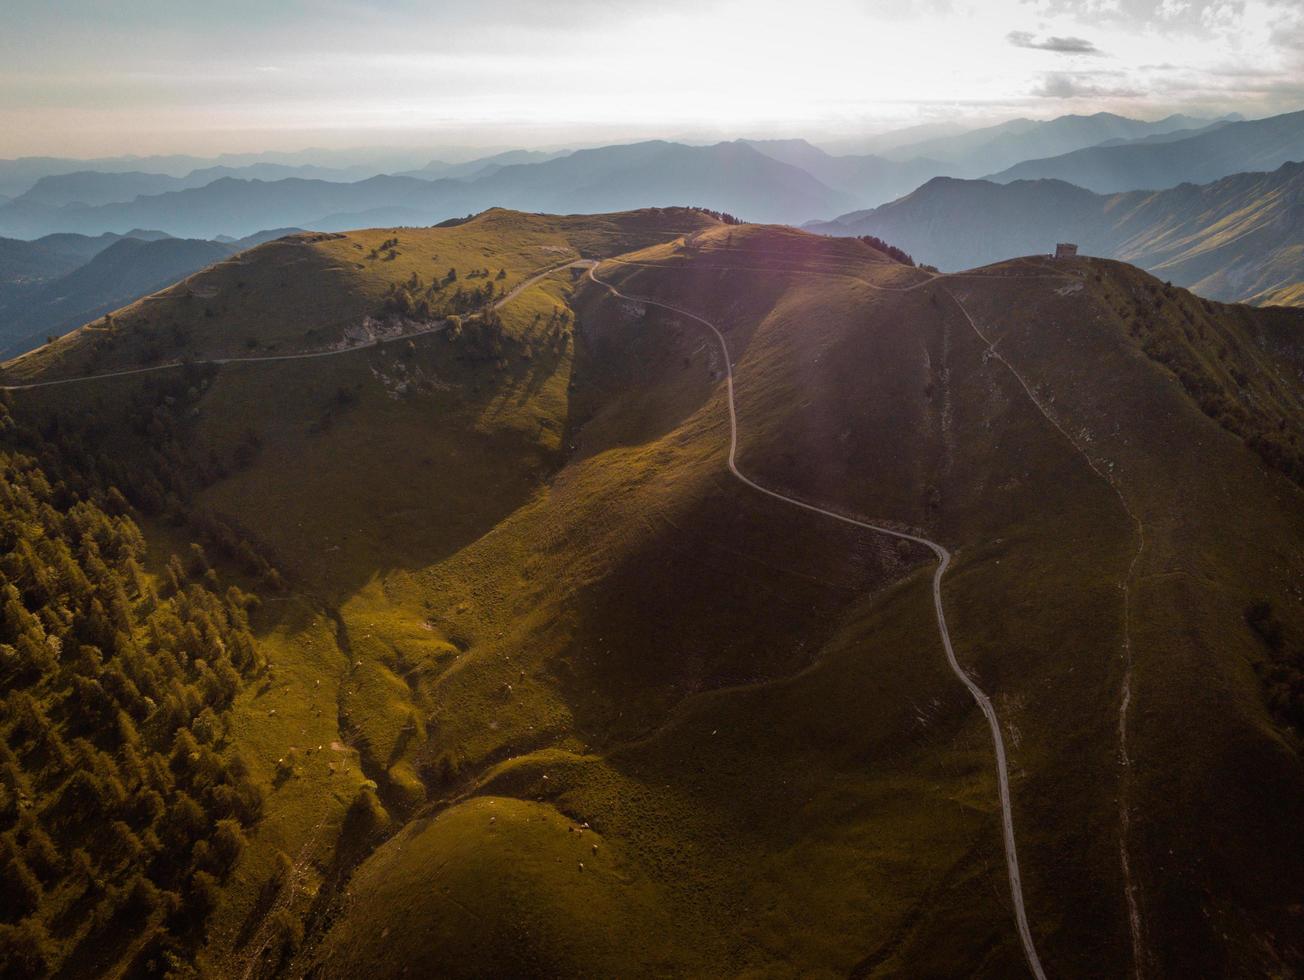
x=1066, y=250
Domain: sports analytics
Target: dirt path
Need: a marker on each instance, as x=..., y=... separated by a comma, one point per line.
x=375, y=342
x=1130, y=892
x=943, y=561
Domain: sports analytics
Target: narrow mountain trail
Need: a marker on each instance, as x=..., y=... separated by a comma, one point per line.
x=1135, y=925
x=302, y=356
x=943, y=561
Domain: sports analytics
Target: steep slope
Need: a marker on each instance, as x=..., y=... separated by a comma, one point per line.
x=1235, y=239
x=1260, y=144
x=619, y=712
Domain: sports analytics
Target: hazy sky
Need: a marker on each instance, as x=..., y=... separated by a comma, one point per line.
x=88, y=77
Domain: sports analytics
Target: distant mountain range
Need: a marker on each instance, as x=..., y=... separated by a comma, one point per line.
x=787, y=181
x=950, y=222
x=59, y=282
x=983, y=151
x=91, y=187
x=733, y=177
x=873, y=179
x=482, y=166
x=1217, y=151
x=20, y=174
x=1237, y=239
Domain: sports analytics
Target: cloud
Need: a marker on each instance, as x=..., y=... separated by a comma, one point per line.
x=1081, y=85
x=1060, y=45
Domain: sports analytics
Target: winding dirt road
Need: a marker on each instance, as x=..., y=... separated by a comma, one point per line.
x=942, y=554
x=943, y=561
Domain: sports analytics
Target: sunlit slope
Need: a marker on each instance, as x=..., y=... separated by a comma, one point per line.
x=315, y=291
x=340, y=470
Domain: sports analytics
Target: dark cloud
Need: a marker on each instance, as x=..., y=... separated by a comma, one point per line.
x=1060, y=45
x=1288, y=36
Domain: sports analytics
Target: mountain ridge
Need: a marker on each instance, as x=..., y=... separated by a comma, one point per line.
x=1208, y=155
x=1235, y=239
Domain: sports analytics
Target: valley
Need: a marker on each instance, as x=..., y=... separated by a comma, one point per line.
x=676, y=595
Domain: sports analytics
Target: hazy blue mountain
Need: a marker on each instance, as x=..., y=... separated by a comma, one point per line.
x=882, y=144
x=956, y=224
x=52, y=256
x=1237, y=239
x=983, y=151
x=22, y=261
x=94, y=188
x=1260, y=144
x=482, y=166
x=727, y=176
x=872, y=180
x=17, y=176
x=1175, y=135
x=225, y=206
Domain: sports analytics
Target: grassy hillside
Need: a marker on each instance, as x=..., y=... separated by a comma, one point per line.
x=549, y=693
x=314, y=292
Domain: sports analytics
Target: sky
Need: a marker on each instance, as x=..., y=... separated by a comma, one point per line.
x=105, y=77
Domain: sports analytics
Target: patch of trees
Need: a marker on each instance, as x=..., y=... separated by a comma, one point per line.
x=439, y=299
x=722, y=216
x=161, y=473
x=122, y=804
x=1282, y=671
x=453, y=222
x=891, y=251
x=388, y=249
x=1176, y=332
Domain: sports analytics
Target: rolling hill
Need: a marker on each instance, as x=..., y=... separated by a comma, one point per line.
x=1236, y=239
x=548, y=691
x=1208, y=155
